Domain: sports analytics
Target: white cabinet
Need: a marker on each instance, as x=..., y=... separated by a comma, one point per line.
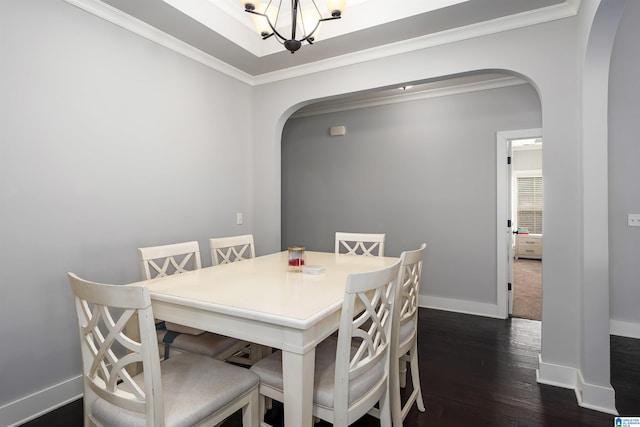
x=529, y=246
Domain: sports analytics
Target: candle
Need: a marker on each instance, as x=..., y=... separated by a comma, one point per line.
x=296, y=258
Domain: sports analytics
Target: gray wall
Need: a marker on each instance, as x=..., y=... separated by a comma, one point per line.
x=85, y=104
x=412, y=170
x=624, y=170
x=109, y=142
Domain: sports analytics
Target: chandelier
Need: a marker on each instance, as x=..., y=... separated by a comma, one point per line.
x=305, y=19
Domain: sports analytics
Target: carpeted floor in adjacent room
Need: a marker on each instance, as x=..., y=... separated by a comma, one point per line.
x=527, y=289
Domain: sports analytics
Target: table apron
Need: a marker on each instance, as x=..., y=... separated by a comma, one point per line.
x=286, y=338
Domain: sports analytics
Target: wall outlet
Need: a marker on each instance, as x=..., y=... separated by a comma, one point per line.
x=239, y=218
x=633, y=220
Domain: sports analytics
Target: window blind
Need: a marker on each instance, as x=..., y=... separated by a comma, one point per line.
x=529, y=203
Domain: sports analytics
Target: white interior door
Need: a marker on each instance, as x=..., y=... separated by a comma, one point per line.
x=510, y=227
x=504, y=220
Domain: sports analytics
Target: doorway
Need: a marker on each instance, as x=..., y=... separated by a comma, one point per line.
x=528, y=231
x=528, y=149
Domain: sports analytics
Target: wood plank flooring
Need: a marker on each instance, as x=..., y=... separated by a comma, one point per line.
x=477, y=371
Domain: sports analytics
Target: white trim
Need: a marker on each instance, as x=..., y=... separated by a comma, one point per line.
x=216, y=14
x=588, y=395
x=142, y=29
x=624, y=329
x=41, y=402
x=598, y=31
x=496, y=83
x=551, y=13
x=556, y=375
x=524, y=19
x=596, y=397
x=502, y=143
x=458, y=306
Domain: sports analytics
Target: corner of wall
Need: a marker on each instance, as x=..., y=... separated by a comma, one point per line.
x=589, y=396
x=598, y=398
x=556, y=375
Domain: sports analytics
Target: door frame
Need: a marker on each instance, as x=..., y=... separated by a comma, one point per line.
x=504, y=249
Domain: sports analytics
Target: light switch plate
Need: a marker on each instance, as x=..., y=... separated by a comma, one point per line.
x=633, y=220
x=239, y=218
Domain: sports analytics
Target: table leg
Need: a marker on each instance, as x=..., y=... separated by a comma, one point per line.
x=297, y=385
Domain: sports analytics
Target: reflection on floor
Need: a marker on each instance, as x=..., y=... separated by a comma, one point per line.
x=477, y=371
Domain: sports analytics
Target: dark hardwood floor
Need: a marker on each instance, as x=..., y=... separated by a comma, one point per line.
x=477, y=371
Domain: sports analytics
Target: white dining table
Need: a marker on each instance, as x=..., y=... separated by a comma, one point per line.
x=260, y=301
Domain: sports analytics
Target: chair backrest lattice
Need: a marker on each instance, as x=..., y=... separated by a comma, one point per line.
x=364, y=337
x=367, y=244
x=110, y=351
x=166, y=260
x=225, y=250
x=409, y=284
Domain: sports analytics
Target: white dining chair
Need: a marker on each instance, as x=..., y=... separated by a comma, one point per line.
x=116, y=328
x=368, y=244
x=404, y=349
x=351, y=373
x=225, y=250
x=177, y=258
x=231, y=249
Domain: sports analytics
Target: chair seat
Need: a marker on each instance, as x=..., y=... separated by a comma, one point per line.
x=181, y=376
x=405, y=335
x=269, y=370
x=207, y=344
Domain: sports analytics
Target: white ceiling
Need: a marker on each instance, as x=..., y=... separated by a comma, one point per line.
x=222, y=30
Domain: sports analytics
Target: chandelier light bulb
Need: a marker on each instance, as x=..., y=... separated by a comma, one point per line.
x=304, y=22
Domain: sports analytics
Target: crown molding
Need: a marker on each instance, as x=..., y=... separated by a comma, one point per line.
x=539, y=16
x=142, y=29
x=551, y=13
x=413, y=96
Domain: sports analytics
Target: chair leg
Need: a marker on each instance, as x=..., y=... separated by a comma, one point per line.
x=394, y=395
x=262, y=406
x=255, y=353
x=415, y=377
x=385, y=409
x=262, y=351
x=403, y=373
x=252, y=412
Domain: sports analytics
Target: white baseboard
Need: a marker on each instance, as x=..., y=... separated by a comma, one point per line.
x=590, y=396
x=556, y=375
x=459, y=306
x=596, y=397
x=624, y=329
x=616, y=327
x=34, y=405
